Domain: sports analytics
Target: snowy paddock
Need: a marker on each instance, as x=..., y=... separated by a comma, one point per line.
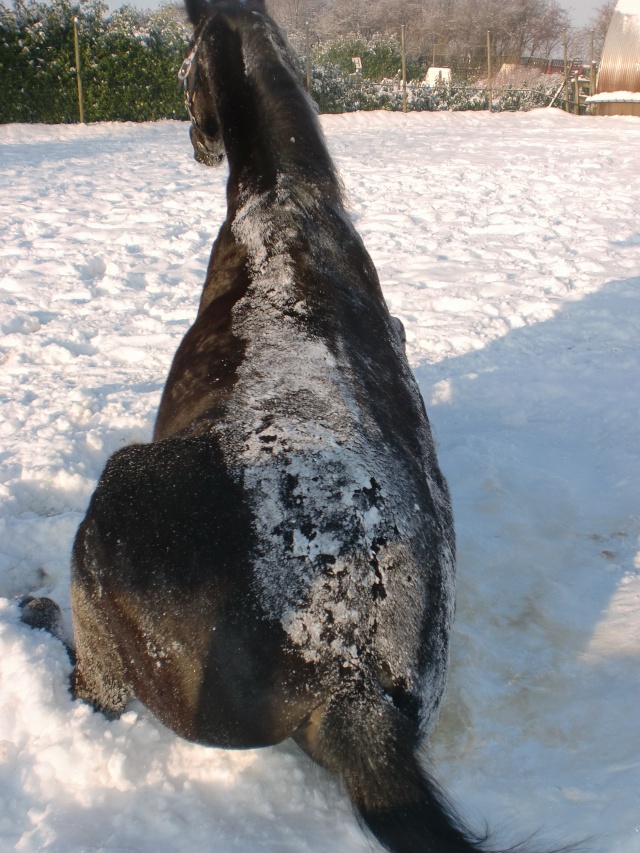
x=509, y=245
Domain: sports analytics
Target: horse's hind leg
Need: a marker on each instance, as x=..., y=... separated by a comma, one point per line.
x=97, y=674
x=97, y=683
x=98, y=677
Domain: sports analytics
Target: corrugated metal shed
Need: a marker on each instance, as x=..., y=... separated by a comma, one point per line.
x=618, y=86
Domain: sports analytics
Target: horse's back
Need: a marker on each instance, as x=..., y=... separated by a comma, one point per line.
x=318, y=414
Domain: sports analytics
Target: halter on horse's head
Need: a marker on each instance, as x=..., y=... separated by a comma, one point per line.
x=205, y=133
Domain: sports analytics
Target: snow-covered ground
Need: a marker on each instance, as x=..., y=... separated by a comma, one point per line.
x=509, y=245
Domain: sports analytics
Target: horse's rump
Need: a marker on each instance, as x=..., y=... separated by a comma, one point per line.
x=162, y=587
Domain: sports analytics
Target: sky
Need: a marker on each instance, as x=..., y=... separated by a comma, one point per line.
x=581, y=11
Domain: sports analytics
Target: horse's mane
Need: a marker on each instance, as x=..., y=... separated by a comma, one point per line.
x=285, y=124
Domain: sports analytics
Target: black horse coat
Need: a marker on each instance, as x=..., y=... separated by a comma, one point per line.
x=290, y=505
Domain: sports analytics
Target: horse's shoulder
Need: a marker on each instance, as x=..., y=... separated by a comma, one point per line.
x=227, y=276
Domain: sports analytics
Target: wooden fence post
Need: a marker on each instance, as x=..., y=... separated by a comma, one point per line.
x=489, y=80
x=566, y=73
x=404, y=70
x=308, y=58
x=78, y=78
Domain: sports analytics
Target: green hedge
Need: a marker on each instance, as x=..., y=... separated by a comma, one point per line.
x=335, y=94
x=129, y=63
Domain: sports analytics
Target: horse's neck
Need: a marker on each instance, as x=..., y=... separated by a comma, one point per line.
x=269, y=127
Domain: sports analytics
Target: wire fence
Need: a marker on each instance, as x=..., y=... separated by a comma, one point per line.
x=347, y=75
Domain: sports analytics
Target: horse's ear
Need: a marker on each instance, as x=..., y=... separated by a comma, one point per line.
x=196, y=10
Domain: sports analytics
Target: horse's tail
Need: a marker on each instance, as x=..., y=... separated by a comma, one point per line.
x=372, y=746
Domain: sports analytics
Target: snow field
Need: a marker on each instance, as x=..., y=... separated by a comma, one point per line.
x=509, y=246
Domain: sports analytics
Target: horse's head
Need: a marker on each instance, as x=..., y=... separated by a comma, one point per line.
x=205, y=132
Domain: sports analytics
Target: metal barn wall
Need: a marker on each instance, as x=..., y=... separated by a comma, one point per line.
x=620, y=65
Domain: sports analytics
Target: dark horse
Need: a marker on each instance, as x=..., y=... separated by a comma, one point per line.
x=279, y=561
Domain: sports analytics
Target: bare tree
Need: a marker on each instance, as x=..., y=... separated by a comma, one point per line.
x=600, y=25
x=537, y=27
x=519, y=28
x=580, y=40
x=446, y=28
x=292, y=15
